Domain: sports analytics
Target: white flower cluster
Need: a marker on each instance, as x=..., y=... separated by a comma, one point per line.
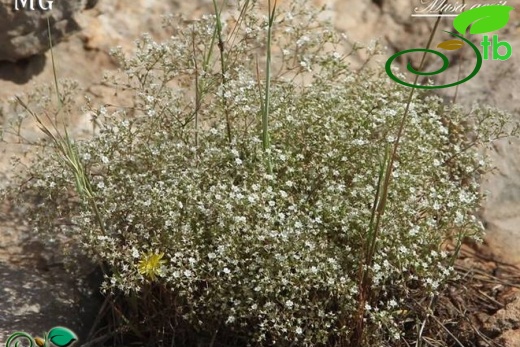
x=273, y=255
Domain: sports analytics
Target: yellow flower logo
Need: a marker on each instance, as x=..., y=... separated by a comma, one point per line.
x=150, y=266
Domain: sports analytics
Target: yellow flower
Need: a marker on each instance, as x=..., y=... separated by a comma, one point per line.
x=150, y=265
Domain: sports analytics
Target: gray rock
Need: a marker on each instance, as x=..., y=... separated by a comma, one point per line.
x=24, y=32
x=37, y=292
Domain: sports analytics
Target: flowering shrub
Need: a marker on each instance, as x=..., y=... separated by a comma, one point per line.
x=191, y=225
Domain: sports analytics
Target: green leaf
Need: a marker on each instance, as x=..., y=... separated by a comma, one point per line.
x=451, y=45
x=61, y=337
x=485, y=19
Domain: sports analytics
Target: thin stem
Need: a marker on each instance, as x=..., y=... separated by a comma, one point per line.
x=266, y=141
x=58, y=94
x=366, y=280
x=197, y=94
x=222, y=67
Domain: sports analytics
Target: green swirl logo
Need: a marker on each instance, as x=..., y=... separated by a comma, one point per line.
x=57, y=336
x=482, y=20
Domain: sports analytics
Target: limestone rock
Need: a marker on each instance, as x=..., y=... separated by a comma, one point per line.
x=505, y=324
x=24, y=32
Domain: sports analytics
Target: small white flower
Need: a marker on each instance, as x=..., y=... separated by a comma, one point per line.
x=302, y=40
x=414, y=231
x=252, y=198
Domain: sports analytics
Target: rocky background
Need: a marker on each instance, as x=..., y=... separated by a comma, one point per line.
x=36, y=294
